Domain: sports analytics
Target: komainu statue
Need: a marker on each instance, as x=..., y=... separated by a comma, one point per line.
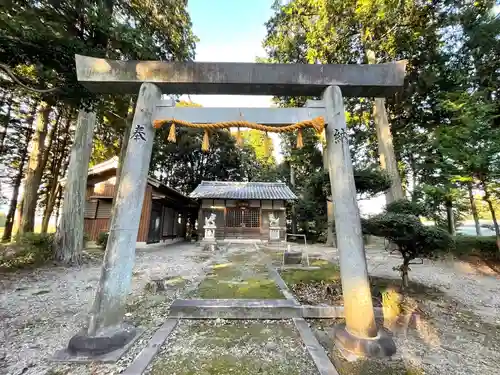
x=274, y=221
x=210, y=221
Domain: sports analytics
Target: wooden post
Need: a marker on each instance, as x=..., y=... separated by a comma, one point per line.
x=358, y=336
x=69, y=236
x=116, y=275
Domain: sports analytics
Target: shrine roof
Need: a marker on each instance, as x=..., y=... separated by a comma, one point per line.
x=243, y=190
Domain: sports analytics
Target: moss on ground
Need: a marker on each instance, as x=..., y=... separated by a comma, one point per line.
x=222, y=365
x=238, y=281
x=243, y=348
x=327, y=272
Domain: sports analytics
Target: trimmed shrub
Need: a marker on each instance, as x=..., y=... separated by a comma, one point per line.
x=371, y=181
x=404, y=206
x=102, y=239
x=483, y=246
x=412, y=238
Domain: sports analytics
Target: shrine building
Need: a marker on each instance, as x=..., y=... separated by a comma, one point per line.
x=244, y=210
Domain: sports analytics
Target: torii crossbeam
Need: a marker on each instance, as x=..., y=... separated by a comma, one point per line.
x=360, y=335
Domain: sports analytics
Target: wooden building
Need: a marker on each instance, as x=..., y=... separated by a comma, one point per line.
x=242, y=209
x=164, y=210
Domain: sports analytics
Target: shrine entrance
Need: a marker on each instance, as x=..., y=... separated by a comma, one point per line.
x=242, y=222
x=359, y=335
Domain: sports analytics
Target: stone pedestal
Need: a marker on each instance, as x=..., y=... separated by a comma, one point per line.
x=274, y=234
x=209, y=242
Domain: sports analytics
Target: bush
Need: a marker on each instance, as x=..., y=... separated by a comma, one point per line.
x=102, y=239
x=29, y=250
x=482, y=246
x=412, y=238
x=371, y=181
x=85, y=239
x=404, y=206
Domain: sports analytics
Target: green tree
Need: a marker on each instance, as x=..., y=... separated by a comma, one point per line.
x=38, y=41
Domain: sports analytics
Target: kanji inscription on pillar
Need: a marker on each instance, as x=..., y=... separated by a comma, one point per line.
x=139, y=133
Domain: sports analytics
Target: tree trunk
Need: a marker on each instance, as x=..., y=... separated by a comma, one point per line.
x=3, y=133
x=388, y=161
x=58, y=205
x=18, y=217
x=13, y=220
x=49, y=206
x=123, y=148
x=487, y=199
x=54, y=185
x=450, y=217
x=404, y=277
x=69, y=236
x=9, y=223
x=33, y=174
x=473, y=208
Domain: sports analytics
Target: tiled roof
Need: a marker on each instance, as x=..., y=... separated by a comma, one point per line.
x=243, y=190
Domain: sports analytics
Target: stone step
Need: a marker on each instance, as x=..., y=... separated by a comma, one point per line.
x=234, y=309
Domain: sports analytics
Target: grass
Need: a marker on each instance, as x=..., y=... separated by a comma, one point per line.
x=232, y=281
x=30, y=251
x=327, y=272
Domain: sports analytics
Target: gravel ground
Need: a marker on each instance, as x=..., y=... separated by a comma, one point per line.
x=462, y=335
x=41, y=310
x=477, y=292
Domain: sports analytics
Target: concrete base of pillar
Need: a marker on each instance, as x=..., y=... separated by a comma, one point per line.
x=104, y=342
x=354, y=348
x=107, y=346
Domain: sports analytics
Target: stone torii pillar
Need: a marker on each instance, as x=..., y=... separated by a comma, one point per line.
x=106, y=331
x=359, y=336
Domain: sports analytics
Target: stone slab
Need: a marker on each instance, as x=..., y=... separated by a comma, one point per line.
x=64, y=356
x=316, y=351
x=230, y=78
x=234, y=309
x=147, y=354
x=330, y=312
x=281, y=284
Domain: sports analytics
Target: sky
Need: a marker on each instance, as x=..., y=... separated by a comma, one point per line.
x=230, y=31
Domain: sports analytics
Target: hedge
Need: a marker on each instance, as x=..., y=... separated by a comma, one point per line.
x=484, y=246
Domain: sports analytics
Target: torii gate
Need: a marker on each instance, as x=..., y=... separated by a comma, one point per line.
x=360, y=335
